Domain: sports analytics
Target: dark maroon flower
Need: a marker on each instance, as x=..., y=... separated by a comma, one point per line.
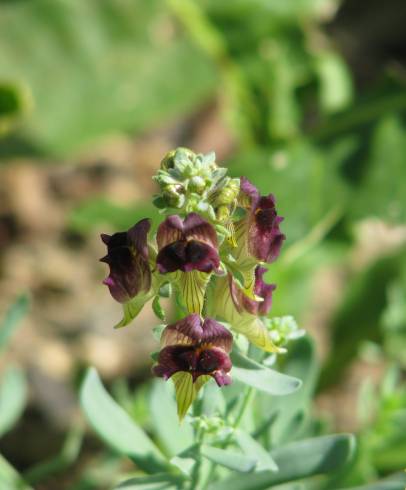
x=187, y=245
x=127, y=257
x=198, y=361
x=261, y=290
x=264, y=236
x=196, y=347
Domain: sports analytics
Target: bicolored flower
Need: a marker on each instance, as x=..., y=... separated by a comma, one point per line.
x=193, y=350
x=188, y=249
x=127, y=257
x=230, y=303
x=261, y=225
x=187, y=245
x=262, y=291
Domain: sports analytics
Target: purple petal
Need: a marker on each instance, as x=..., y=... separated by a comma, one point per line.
x=169, y=231
x=127, y=258
x=192, y=331
x=264, y=236
x=250, y=191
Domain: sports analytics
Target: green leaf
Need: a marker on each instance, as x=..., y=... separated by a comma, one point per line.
x=252, y=448
x=358, y=316
x=172, y=436
x=394, y=482
x=12, y=320
x=157, y=308
x=9, y=478
x=228, y=459
x=118, y=66
x=13, y=397
x=155, y=482
x=115, y=426
x=260, y=377
x=295, y=461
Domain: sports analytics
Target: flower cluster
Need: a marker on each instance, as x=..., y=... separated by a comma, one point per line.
x=211, y=248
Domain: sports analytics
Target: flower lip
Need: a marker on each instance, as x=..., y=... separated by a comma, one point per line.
x=127, y=257
x=191, y=330
x=198, y=361
x=186, y=245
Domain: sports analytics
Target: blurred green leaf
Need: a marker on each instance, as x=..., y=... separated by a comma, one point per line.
x=116, y=428
x=111, y=66
x=95, y=212
x=173, y=436
x=9, y=478
x=262, y=378
x=229, y=459
x=13, y=397
x=12, y=319
x=295, y=461
x=358, y=315
x=395, y=482
x=383, y=190
x=335, y=81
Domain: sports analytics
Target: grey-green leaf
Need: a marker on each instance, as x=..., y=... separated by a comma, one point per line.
x=251, y=447
x=174, y=437
x=13, y=396
x=231, y=460
x=295, y=461
x=262, y=378
x=155, y=482
x=115, y=426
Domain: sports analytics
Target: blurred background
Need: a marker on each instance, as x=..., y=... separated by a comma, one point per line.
x=307, y=98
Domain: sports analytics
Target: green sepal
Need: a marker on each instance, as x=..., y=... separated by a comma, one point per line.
x=157, y=308
x=186, y=390
x=191, y=287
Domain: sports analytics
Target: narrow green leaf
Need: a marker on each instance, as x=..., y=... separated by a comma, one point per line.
x=12, y=319
x=174, y=437
x=231, y=460
x=262, y=378
x=295, y=461
x=155, y=482
x=13, y=396
x=115, y=426
x=251, y=447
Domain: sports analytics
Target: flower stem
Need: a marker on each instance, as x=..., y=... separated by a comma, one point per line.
x=249, y=394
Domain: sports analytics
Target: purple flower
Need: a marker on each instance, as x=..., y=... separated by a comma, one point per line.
x=261, y=289
x=187, y=245
x=197, y=347
x=127, y=257
x=264, y=236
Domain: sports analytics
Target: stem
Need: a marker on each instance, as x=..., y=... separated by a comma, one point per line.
x=195, y=477
x=249, y=394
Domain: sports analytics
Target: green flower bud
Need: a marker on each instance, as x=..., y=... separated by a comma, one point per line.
x=197, y=184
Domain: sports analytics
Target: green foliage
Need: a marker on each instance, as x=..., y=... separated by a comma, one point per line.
x=13, y=397
x=98, y=67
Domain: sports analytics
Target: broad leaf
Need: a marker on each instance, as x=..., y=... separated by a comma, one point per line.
x=155, y=482
x=251, y=447
x=115, y=426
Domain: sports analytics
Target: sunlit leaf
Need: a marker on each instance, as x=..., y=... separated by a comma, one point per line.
x=230, y=459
